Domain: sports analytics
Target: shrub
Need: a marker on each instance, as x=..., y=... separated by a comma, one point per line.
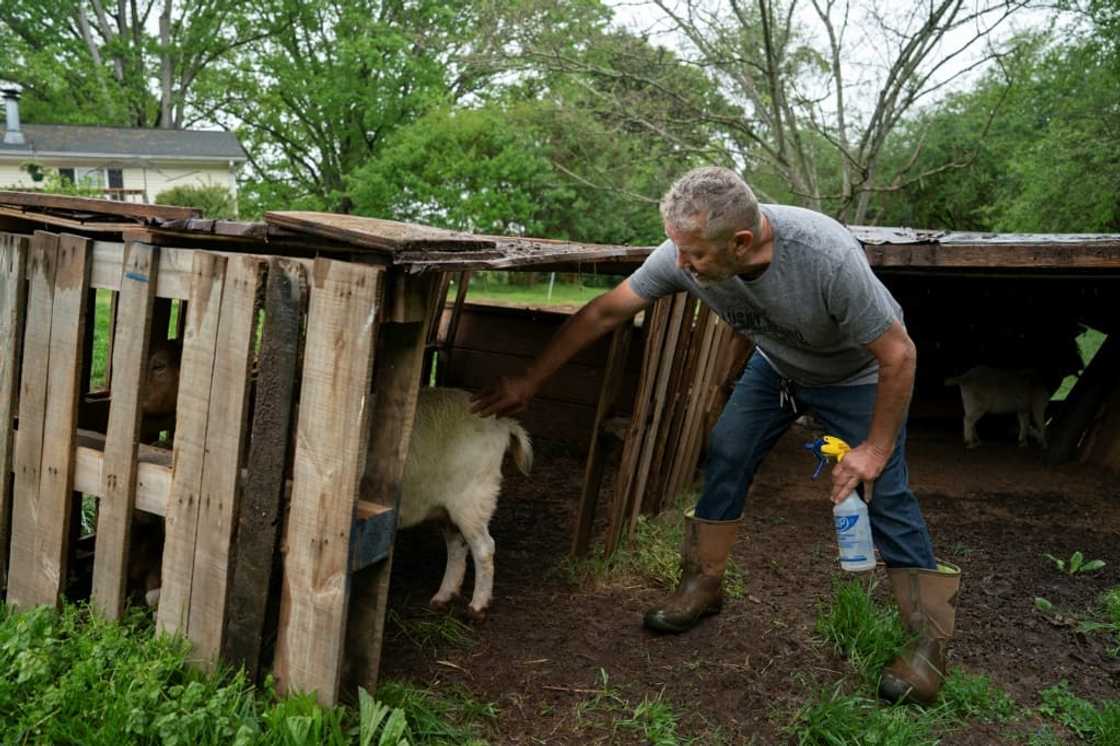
x=214, y=200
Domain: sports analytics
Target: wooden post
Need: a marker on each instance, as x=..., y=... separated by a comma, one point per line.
x=45, y=457
x=262, y=504
x=13, y=300
x=600, y=443
x=395, y=388
x=118, y=472
x=331, y=448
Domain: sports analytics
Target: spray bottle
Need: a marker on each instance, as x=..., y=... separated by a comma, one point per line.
x=853, y=526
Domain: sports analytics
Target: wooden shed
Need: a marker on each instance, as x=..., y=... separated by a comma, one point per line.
x=342, y=316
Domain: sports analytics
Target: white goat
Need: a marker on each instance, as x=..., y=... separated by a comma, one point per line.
x=454, y=472
x=1000, y=391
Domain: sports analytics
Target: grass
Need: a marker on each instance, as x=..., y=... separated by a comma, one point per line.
x=867, y=634
x=653, y=720
x=433, y=630
x=652, y=557
x=1091, y=723
x=71, y=677
x=1088, y=342
x=483, y=290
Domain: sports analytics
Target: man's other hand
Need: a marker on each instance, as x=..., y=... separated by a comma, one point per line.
x=508, y=396
x=863, y=463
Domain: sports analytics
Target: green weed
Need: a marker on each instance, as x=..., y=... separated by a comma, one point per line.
x=867, y=634
x=433, y=630
x=71, y=677
x=1075, y=564
x=833, y=717
x=974, y=697
x=653, y=556
x=1097, y=726
x=655, y=721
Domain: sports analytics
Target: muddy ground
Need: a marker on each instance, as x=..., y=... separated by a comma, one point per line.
x=740, y=676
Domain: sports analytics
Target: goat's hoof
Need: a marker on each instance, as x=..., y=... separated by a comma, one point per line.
x=476, y=615
x=441, y=604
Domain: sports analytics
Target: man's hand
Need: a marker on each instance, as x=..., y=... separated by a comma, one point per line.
x=508, y=396
x=863, y=463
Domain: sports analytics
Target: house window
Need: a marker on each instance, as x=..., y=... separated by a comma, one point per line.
x=116, y=183
x=67, y=175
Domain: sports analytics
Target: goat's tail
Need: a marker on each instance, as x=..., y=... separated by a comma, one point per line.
x=522, y=447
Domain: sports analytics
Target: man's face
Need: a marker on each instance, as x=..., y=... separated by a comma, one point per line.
x=707, y=262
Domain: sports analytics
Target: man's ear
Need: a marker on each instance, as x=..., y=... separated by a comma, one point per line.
x=743, y=240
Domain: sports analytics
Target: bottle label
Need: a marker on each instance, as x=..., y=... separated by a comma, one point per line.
x=853, y=537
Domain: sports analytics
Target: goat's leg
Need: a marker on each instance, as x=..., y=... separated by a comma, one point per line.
x=1024, y=427
x=971, y=417
x=482, y=551
x=456, y=567
x=1038, y=412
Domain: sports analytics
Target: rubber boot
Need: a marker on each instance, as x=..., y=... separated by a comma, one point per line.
x=927, y=601
x=704, y=553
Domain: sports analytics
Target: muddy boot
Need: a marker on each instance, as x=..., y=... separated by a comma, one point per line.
x=707, y=545
x=927, y=601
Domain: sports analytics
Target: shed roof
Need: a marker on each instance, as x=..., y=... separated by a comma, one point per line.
x=125, y=142
x=420, y=248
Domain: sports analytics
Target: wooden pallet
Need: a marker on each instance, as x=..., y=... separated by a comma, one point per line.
x=223, y=489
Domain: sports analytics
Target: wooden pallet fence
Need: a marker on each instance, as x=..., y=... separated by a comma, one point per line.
x=13, y=300
x=689, y=357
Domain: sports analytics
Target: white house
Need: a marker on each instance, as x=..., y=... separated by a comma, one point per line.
x=128, y=163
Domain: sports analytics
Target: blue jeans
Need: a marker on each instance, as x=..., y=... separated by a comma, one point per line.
x=753, y=420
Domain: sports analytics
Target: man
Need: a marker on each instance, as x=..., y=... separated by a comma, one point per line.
x=829, y=338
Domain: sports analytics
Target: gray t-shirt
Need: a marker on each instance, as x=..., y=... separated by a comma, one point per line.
x=809, y=313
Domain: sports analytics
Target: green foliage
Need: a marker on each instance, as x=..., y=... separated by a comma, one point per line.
x=974, y=697
x=1075, y=564
x=474, y=170
x=53, y=183
x=72, y=677
x=215, y=201
x=866, y=633
x=833, y=717
x=433, y=630
x=1095, y=725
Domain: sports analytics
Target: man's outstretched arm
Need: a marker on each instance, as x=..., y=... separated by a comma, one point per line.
x=512, y=394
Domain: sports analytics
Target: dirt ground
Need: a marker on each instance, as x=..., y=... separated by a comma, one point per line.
x=994, y=511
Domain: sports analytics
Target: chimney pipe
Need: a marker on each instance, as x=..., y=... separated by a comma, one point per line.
x=13, y=135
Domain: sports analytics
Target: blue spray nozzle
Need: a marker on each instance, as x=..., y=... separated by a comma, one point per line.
x=827, y=449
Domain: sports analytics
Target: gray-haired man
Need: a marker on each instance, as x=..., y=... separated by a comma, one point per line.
x=829, y=337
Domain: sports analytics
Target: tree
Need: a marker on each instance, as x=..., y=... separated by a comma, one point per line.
x=88, y=62
x=801, y=109
x=326, y=83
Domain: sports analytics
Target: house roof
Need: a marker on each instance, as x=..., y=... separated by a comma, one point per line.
x=124, y=142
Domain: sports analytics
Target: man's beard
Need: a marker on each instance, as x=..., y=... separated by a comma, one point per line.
x=707, y=282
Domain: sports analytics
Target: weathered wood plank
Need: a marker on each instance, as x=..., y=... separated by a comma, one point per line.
x=386, y=236
x=13, y=301
x=601, y=443
x=332, y=435
x=119, y=466
x=192, y=415
x=226, y=438
x=660, y=393
x=174, y=269
x=396, y=383
x=1084, y=402
x=261, y=513
x=99, y=206
x=41, y=567
x=42, y=263
x=656, y=318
